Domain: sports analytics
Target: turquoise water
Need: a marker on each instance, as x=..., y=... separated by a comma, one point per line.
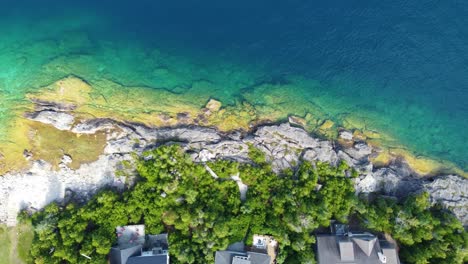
x=401, y=67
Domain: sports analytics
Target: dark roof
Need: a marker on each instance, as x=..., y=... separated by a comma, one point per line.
x=329, y=246
x=390, y=252
x=120, y=256
x=160, y=259
x=258, y=258
x=226, y=257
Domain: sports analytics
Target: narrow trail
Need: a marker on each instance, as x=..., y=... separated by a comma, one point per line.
x=13, y=234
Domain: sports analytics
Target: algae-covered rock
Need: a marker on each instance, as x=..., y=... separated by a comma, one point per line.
x=327, y=125
x=298, y=121
x=213, y=105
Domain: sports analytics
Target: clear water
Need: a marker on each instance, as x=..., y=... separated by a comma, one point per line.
x=399, y=66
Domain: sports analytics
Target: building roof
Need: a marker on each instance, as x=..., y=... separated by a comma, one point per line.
x=121, y=255
x=156, y=241
x=346, y=249
x=159, y=259
x=258, y=258
x=240, y=260
x=232, y=257
x=366, y=242
x=226, y=257
x=390, y=252
x=332, y=249
x=134, y=247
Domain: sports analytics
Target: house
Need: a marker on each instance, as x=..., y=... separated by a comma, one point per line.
x=343, y=246
x=134, y=247
x=232, y=257
x=262, y=251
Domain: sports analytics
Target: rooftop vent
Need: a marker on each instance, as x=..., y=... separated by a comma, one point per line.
x=240, y=260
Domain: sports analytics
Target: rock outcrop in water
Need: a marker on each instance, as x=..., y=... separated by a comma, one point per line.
x=284, y=146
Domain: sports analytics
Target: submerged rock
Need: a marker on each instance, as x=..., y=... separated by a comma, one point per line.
x=298, y=121
x=213, y=105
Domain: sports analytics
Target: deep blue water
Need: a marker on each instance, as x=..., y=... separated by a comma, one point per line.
x=403, y=65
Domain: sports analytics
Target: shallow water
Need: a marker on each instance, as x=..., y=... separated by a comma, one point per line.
x=397, y=67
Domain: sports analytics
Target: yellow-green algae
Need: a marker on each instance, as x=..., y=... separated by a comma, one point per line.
x=159, y=107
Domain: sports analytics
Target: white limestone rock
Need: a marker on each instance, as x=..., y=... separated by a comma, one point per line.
x=60, y=120
x=189, y=135
x=94, y=125
x=42, y=184
x=346, y=135
x=387, y=181
x=360, y=151
x=285, y=134
x=205, y=155
x=452, y=192
x=227, y=149
x=326, y=153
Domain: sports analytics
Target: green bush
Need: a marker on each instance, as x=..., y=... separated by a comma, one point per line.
x=425, y=233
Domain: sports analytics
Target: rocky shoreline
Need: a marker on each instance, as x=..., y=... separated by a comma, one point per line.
x=285, y=145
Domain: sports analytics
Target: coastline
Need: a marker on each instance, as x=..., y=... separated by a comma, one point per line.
x=81, y=174
x=161, y=108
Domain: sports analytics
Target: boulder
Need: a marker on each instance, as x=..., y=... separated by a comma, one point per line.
x=298, y=121
x=346, y=135
x=213, y=105
x=326, y=153
x=360, y=151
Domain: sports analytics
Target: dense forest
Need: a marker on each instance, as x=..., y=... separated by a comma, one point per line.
x=203, y=214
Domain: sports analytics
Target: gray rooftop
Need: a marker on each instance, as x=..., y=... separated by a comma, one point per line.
x=346, y=249
x=134, y=247
x=121, y=255
x=332, y=249
x=160, y=259
x=233, y=257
